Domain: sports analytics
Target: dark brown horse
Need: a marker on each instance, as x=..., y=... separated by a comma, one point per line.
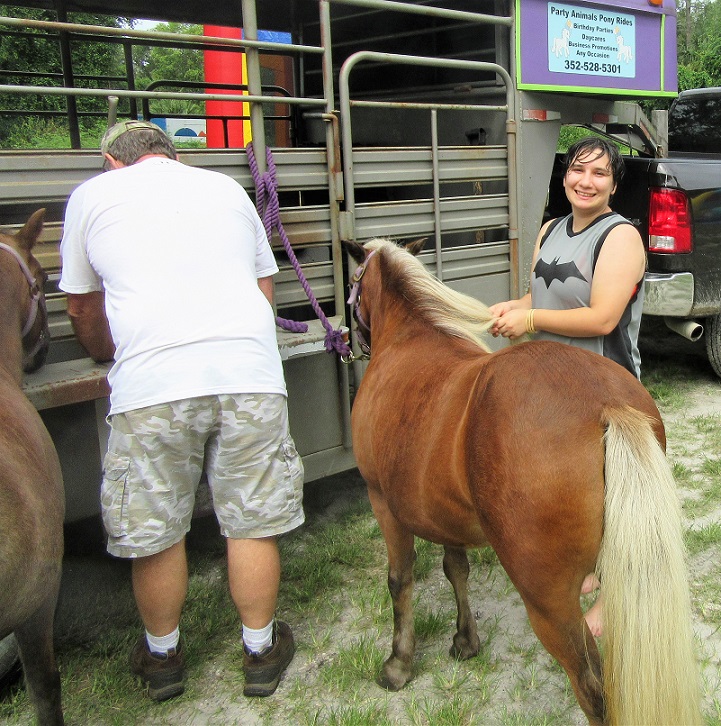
x=552, y=455
x=31, y=488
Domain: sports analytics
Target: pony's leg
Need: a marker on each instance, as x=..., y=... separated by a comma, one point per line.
x=35, y=642
x=564, y=634
x=466, y=642
x=397, y=670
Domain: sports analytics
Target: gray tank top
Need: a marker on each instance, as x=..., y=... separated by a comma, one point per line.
x=561, y=280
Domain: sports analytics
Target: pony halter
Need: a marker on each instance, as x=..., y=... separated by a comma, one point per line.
x=354, y=301
x=36, y=300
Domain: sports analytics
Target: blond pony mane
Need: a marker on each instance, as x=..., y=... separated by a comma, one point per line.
x=454, y=313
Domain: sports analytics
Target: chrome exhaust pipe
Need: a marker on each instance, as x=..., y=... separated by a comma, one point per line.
x=690, y=329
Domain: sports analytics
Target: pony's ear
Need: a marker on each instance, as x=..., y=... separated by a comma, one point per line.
x=416, y=247
x=29, y=234
x=355, y=250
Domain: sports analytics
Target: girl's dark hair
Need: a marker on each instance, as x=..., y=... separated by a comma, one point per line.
x=589, y=145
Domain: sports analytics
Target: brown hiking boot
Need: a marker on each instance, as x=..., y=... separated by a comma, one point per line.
x=263, y=670
x=163, y=674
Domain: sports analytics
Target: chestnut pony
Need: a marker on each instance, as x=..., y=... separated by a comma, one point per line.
x=32, y=502
x=551, y=454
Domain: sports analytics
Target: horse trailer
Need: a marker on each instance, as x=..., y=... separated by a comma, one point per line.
x=383, y=118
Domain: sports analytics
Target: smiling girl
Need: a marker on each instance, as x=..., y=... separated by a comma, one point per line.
x=587, y=277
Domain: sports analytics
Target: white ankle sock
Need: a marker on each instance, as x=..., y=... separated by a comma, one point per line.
x=164, y=643
x=256, y=641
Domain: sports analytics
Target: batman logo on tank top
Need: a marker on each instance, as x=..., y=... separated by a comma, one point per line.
x=555, y=270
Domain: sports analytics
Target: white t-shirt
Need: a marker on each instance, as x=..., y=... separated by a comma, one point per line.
x=178, y=251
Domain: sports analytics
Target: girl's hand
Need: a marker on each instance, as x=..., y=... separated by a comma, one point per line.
x=500, y=308
x=511, y=324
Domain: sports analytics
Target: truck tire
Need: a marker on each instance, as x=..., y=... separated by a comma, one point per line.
x=713, y=342
x=9, y=660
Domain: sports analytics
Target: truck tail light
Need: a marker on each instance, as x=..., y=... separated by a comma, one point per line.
x=669, y=221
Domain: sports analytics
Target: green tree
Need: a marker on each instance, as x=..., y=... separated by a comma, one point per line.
x=33, y=57
x=164, y=63
x=699, y=43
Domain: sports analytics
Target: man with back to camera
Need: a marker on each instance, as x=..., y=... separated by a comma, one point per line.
x=167, y=270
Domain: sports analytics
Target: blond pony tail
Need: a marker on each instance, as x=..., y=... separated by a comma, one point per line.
x=651, y=675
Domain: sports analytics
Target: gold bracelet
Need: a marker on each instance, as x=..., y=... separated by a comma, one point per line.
x=530, y=328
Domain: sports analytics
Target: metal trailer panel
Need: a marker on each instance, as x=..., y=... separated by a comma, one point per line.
x=395, y=166
x=416, y=179
x=485, y=274
x=416, y=218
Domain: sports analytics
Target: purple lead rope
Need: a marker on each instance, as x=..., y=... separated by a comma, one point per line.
x=266, y=201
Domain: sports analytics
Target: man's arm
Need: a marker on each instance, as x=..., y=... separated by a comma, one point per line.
x=87, y=315
x=266, y=287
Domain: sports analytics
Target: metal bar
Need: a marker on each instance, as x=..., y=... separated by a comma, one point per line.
x=511, y=135
x=418, y=60
x=436, y=193
x=130, y=76
x=104, y=93
x=418, y=33
x=257, y=124
x=427, y=10
x=336, y=195
x=513, y=221
x=217, y=86
x=32, y=74
x=345, y=101
x=429, y=106
x=181, y=39
x=112, y=110
x=66, y=63
x=332, y=154
x=51, y=114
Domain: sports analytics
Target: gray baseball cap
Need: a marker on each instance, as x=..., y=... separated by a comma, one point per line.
x=122, y=127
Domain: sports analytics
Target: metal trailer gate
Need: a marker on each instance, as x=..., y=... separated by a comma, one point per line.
x=426, y=136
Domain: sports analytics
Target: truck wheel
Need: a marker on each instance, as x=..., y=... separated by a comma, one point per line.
x=9, y=660
x=713, y=342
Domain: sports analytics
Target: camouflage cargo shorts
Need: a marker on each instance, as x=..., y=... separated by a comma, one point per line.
x=156, y=456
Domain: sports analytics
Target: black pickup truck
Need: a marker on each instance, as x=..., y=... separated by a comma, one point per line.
x=675, y=202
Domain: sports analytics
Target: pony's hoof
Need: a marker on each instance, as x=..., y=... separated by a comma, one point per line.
x=462, y=649
x=393, y=678
x=389, y=685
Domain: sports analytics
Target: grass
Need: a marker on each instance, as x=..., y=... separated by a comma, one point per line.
x=700, y=539
x=357, y=663
x=668, y=385
x=355, y=716
x=430, y=623
x=52, y=134
x=37, y=133
x=705, y=592
x=669, y=378
x=450, y=712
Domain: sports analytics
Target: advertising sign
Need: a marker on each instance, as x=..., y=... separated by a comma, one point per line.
x=626, y=47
